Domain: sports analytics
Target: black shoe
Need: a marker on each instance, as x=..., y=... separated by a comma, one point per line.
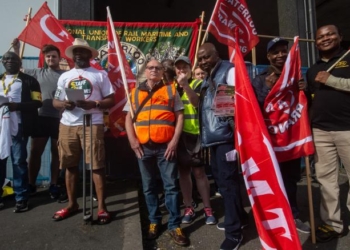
x=2, y=205
x=21, y=206
x=54, y=191
x=179, y=237
x=32, y=190
x=63, y=198
x=326, y=233
x=231, y=244
x=152, y=233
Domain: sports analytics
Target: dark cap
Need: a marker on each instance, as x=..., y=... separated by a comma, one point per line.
x=184, y=59
x=276, y=41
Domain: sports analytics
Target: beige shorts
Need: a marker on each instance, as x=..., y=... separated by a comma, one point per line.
x=70, y=146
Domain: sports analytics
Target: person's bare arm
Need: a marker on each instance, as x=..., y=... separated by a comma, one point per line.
x=105, y=103
x=134, y=142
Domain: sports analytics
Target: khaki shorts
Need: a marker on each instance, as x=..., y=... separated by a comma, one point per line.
x=70, y=146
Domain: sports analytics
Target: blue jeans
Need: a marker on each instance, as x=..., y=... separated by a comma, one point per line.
x=227, y=178
x=152, y=159
x=20, y=165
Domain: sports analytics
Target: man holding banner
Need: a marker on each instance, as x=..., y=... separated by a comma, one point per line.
x=329, y=80
x=217, y=133
x=277, y=51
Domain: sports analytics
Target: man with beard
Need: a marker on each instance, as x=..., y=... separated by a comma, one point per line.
x=277, y=52
x=23, y=93
x=330, y=120
x=217, y=133
x=99, y=95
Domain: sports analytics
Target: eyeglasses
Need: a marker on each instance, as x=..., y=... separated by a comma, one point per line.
x=154, y=68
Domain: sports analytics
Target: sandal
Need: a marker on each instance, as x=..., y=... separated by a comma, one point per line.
x=63, y=214
x=103, y=217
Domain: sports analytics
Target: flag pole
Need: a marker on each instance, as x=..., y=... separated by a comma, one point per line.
x=27, y=22
x=121, y=65
x=211, y=18
x=309, y=193
x=341, y=58
x=198, y=40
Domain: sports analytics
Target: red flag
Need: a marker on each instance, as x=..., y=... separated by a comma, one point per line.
x=286, y=112
x=116, y=114
x=227, y=16
x=273, y=216
x=43, y=29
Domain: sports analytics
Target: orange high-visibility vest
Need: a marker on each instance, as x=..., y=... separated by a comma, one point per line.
x=156, y=119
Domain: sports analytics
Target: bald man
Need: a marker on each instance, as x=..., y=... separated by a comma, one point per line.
x=217, y=134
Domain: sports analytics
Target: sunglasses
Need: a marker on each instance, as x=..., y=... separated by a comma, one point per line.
x=154, y=68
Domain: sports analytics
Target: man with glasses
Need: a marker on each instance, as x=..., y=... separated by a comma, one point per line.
x=153, y=128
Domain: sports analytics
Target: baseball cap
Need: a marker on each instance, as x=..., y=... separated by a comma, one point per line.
x=275, y=41
x=184, y=59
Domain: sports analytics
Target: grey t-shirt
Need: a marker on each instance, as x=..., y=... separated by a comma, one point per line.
x=47, y=79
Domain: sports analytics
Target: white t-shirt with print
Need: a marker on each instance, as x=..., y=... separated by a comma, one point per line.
x=15, y=91
x=96, y=86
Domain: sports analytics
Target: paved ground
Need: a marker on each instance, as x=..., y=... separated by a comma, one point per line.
x=35, y=229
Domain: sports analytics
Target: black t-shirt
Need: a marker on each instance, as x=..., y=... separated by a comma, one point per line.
x=330, y=109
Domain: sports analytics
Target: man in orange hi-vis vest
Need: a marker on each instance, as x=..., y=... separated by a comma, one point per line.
x=154, y=129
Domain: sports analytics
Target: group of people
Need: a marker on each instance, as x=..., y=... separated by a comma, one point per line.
x=170, y=118
x=59, y=119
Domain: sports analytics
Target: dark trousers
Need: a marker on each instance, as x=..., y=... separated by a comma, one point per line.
x=291, y=172
x=2, y=174
x=227, y=178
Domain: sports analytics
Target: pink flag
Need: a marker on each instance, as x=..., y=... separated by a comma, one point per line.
x=229, y=15
x=116, y=114
x=286, y=112
x=272, y=213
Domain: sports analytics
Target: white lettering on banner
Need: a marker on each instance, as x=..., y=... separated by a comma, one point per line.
x=278, y=222
x=46, y=30
x=111, y=45
x=118, y=83
x=283, y=126
x=261, y=187
x=245, y=13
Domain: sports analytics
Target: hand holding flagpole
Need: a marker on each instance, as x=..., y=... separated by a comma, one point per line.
x=27, y=22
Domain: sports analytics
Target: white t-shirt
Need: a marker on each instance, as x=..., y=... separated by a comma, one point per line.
x=15, y=91
x=230, y=78
x=96, y=86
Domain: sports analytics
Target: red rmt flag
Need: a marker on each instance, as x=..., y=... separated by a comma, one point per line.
x=262, y=177
x=286, y=112
x=116, y=114
x=231, y=14
x=43, y=29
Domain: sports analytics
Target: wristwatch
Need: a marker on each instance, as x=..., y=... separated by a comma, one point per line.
x=98, y=105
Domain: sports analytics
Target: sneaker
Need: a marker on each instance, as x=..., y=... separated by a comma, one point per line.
x=209, y=217
x=231, y=244
x=188, y=215
x=54, y=191
x=221, y=226
x=21, y=206
x=152, y=231
x=301, y=227
x=326, y=233
x=32, y=190
x=179, y=237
